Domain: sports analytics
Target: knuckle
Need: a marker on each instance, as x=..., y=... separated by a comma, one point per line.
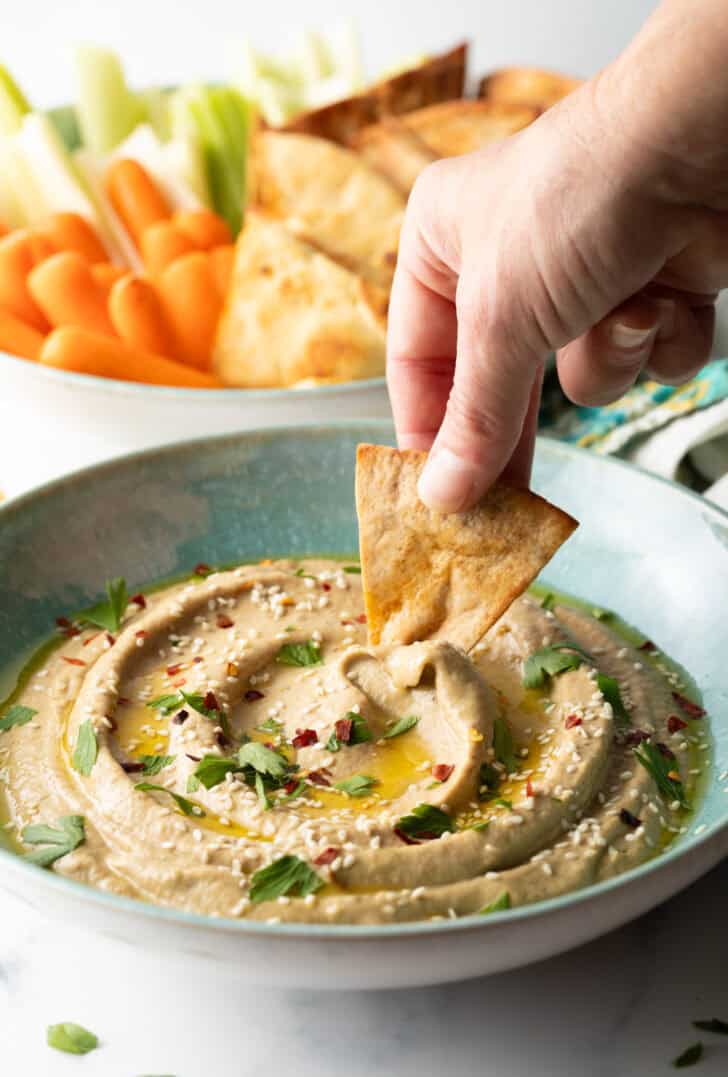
x=469, y=412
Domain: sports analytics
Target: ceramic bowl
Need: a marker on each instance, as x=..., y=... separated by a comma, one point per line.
x=646, y=548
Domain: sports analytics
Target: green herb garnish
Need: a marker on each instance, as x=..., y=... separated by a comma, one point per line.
x=212, y=770
x=263, y=760
x=610, y=690
x=690, y=1056
x=86, y=750
x=71, y=1038
x=358, y=785
x=400, y=726
x=58, y=841
x=16, y=715
x=353, y=570
x=503, y=901
x=296, y=792
x=660, y=770
x=480, y=826
x=187, y=807
x=501, y=802
x=503, y=745
x=425, y=821
x=299, y=654
x=548, y=601
x=168, y=703
x=108, y=614
x=714, y=1024
x=488, y=781
x=271, y=725
x=601, y=614
x=550, y=661
x=193, y=784
x=360, y=733
x=154, y=763
x=304, y=575
x=287, y=875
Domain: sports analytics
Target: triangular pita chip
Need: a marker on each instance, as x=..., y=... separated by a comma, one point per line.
x=431, y=576
x=527, y=86
x=294, y=315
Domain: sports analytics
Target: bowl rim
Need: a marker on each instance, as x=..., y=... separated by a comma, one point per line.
x=687, y=844
x=92, y=382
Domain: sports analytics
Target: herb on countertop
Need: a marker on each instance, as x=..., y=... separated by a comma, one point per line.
x=714, y=1024
x=72, y=1038
x=690, y=1056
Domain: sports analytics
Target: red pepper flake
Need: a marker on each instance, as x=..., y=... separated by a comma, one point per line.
x=326, y=587
x=405, y=837
x=201, y=569
x=326, y=857
x=572, y=720
x=343, y=728
x=173, y=670
x=253, y=695
x=111, y=640
x=132, y=766
x=123, y=701
x=691, y=709
x=304, y=737
x=442, y=771
x=362, y=618
x=63, y=622
x=529, y=788
x=675, y=724
x=220, y=738
x=347, y=622
x=629, y=819
x=90, y=639
x=197, y=659
x=141, y=634
x=674, y=775
x=648, y=645
x=73, y=661
x=635, y=737
x=139, y=600
x=223, y=621
x=180, y=682
x=210, y=702
x=290, y=786
x=181, y=716
x=319, y=777
x=664, y=751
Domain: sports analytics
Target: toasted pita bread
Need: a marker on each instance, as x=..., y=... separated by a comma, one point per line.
x=395, y=151
x=437, y=79
x=293, y=314
x=431, y=576
x=527, y=86
x=331, y=198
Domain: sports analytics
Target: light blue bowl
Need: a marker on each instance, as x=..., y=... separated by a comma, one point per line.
x=646, y=548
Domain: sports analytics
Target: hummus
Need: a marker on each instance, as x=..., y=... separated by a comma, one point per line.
x=318, y=779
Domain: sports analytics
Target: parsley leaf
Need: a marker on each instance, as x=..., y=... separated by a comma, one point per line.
x=299, y=654
x=58, y=841
x=86, y=750
x=166, y=704
x=358, y=785
x=108, y=614
x=425, y=821
x=287, y=875
x=501, y=802
x=550, y=661
x=360, y=733
x=193, y=784
x=263, y=760
x=353, y=570
x=299, y=789
x=16, y=715
x=154, y=763
x=271, y=725
x=660, y=770
x=303, y=574
x=548, y=601
x=601, y=614
x=715, y=1025
x=488, y=781
x=690, y=1056
x=187, y=807
x=212, y=769
x=503, y=745
x=71, y=1038
x=503, y=901
x=260, y=790
x=610, y=690
x=401, y=726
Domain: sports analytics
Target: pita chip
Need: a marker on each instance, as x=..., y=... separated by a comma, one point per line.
x=427, y=575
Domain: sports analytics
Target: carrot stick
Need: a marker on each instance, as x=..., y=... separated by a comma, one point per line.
x=19, y=253
x=72, y=232
x=65, y=290
x=106, y=275
x=19, y=338
x=205, y=228
x=192, y=304
x=84, y=352
x=162, y=243
x=222, y=260
x=135, y=197
x=138, y=316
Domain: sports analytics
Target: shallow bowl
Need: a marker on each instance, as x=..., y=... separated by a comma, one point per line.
x=645, y=548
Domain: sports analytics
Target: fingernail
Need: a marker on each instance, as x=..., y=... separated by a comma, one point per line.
x=446, y=482
x=666, y=328
x=628, y=337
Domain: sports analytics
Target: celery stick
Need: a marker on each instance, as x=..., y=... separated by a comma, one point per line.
x=313, y=58
x=13, y=103
x=107, y=110
x=154, y=105
x=345, y=49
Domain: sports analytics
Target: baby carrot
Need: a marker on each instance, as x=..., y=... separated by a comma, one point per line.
x=20, y=252
x=205, y=228
x=19, y=338
x=72, y=232
x=135, y=197
x=192, y=304
x=138, y=317
x=106, y=275
x=161, y=243
x=65, y=290
x=222, y=260
x=93, y=353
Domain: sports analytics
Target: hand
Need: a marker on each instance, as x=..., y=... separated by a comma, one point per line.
x=601, y=231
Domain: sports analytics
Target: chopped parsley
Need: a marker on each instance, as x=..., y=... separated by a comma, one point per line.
x=550, y=661
x=424, y=822
x=108, y=614
x=503, y=745
x=271, y=725
x=287, y=875
x=154, y=763
x=715, y=1025
x=166, y=704
x=690, y=1056
x=601, y=614
x=358, y=785
x=57, y=841
x=548, y=601
x=212, y=770
x=187, y=807
x=16, y=715
x=359, y=733
x=400, y=726
x=662, y=773
x=261, y=768
x=610, y=690
x=488, y=781
x=502, y=902
x=71, y=1038
x=86, y=750
x=353, y=570
x=263, y=760
x=299, y=654
x=501, y=802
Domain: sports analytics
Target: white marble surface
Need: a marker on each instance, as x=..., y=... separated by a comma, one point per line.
x=619, y=1007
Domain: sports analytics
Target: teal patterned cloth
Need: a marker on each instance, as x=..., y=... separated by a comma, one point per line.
x=644, y=409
